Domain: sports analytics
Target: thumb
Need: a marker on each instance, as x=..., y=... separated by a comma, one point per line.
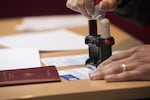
x=108, y=5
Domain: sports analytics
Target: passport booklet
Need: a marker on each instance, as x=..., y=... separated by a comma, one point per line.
x=29, y=76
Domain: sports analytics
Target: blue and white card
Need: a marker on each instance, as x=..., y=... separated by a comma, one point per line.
x=76, y=73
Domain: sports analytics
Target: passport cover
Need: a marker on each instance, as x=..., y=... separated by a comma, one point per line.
x=29, y=75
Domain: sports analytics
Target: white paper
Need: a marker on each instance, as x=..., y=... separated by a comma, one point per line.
x=51, y=22
x=19, y=58
x=67, y=60
x=46, y=41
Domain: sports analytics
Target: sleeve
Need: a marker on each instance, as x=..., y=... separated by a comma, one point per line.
x=97, y=1
x=135, y=11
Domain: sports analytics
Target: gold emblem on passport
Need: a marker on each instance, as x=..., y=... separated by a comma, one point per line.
x=28, y=74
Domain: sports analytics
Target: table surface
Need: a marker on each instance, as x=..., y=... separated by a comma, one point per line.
x=80, y=89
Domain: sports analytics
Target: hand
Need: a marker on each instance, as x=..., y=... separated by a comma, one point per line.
x=136, y=60
x=85, y=7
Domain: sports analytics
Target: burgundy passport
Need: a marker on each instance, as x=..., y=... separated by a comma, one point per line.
x=29, y=75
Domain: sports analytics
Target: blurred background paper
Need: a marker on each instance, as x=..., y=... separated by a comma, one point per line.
x=19, y=58
x=51, y=22
x=46, y=41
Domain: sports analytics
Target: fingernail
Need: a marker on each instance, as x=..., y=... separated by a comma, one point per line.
x=92, y=75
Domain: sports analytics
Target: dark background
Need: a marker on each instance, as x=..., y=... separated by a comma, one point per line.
x=19, y=8
x=22, y=8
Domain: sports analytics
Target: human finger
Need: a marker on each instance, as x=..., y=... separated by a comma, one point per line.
x=100, y=73
x=112, y=68
x=145, y=70
x=83, y=11
x=89, y=7
x=73, y=5
x=80, y=6
x=116, y=67
x=119, y=56
x=108, y=5
x=124, y=76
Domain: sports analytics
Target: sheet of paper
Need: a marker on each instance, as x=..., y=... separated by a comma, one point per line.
x=67, y=60
x=19, y=58
x=76, y=74
x=51, y=22
x=46, y=41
